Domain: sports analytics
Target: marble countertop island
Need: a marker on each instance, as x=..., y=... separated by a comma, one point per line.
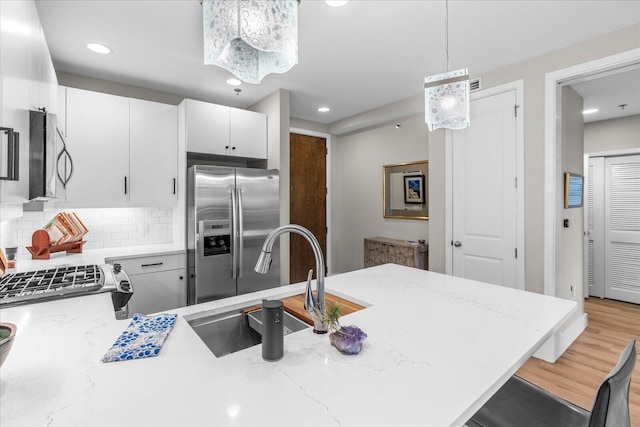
x=438, y=347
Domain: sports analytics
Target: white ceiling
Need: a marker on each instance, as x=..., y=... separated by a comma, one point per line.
x=606, y=92
x=364, y=55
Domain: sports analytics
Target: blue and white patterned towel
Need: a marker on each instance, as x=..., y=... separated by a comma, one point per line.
x=143, y=337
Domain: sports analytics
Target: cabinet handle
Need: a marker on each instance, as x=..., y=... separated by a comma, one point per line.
x=181, y=277
x=226, y=147
x=174, y=186
x=125, y=185
x=233, y=148
x=151, y=265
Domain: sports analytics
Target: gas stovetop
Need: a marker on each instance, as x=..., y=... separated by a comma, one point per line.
x=18, y=288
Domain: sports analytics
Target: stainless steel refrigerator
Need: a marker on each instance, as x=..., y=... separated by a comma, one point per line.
x=230, y=211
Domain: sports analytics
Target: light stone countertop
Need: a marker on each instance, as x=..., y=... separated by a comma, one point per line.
x=438, y=347
x=91, y=256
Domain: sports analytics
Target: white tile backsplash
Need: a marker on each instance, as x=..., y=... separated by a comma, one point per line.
x=108, y=228
x=8, y=234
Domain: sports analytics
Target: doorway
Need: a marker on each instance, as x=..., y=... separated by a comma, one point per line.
x=486, y=199
x=553, y=149
x=553, y=191
x=308, y=201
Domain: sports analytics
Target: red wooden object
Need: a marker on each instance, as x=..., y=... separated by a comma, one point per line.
x=41, y=249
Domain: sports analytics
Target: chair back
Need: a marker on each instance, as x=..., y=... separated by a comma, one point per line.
x=611, y=406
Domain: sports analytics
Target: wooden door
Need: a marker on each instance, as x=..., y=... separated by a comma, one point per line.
x=308, y=201
x=485, y=193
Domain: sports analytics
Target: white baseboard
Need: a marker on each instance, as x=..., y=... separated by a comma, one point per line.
x=560, y=341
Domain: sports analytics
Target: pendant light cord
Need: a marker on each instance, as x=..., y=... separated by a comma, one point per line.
x=446, y=31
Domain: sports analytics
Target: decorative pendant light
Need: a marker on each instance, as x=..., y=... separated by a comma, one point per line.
x=446, y=95
x=251, y=38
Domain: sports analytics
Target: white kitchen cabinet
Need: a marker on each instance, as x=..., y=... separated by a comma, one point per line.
x=62, y=110
x=124, y=150
x=225, y=131
x=159, y=281
x=98, y=142
x=207, y=127
x=248, y=133
x=27, y=81
x=153, y=153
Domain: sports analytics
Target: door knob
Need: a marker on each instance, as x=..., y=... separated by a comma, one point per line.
x=457, y=243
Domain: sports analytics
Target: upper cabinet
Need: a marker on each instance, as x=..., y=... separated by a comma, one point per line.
x=153, y=152
x=27, y=81
x=225, y=131
x=98, y=142
x=207, y=127
x=247, y=133
x=124, y=150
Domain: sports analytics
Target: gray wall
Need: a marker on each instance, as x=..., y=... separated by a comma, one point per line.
x=309, y=125
x=113, y=88
x=614, y=134
x=356, y=187
x=437, y=195
x=276, y=107
x=571, y=255
x=533, y=72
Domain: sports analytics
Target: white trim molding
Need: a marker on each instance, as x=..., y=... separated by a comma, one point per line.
x=553, y=160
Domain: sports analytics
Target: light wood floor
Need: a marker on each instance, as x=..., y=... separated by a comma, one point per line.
x=577, y=375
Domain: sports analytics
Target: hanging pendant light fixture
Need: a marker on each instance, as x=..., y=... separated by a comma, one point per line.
x=446, y=95
x=251, y=38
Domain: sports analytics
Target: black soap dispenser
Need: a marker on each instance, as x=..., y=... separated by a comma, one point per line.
x=272, y=330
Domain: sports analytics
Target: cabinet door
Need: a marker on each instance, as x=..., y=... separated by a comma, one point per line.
x=159, y=291
x=153, y=150
x=19, y=56
x=248, y=134
x=98, y=141
x=207, y=127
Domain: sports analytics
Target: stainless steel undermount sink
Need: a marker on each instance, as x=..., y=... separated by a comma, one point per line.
x=231, y=331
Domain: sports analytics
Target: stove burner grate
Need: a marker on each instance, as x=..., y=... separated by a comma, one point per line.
x=52, y=282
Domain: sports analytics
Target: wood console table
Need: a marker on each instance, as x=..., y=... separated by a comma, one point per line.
x=381, y=250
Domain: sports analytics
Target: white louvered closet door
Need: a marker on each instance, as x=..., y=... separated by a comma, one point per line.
x=595, y=227
x=622, y=228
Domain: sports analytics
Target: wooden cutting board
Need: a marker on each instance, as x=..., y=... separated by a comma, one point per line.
x=294, y=305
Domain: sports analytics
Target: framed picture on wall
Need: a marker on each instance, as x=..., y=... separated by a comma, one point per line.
x=393, y=190
x=414, y=189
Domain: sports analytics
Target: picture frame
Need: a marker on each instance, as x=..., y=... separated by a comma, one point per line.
x=414, y=189
x=393, y=201
x=573, y=190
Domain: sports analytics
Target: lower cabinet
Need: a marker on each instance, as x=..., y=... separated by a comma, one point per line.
x=159, y=282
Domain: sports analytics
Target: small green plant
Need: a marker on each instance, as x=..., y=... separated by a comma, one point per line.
x=333, y=315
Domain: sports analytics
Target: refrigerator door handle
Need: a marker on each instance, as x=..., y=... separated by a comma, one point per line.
x=240, y=232
x=234, y=234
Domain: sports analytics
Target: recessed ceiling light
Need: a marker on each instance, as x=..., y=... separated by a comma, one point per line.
x=336, y=3
x=324, y=109
x=98, y=48
x=234, y=82
x=590, y=111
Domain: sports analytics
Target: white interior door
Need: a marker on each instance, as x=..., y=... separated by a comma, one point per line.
x=484, y=193
x=622, y=228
